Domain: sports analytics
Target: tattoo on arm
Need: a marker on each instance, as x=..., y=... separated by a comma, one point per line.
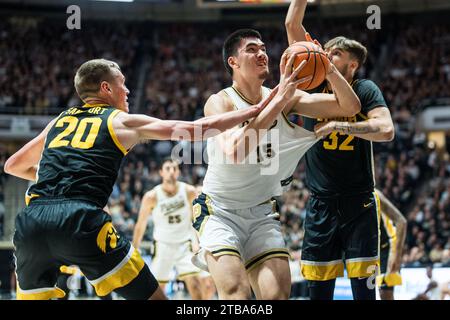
x=355, y=128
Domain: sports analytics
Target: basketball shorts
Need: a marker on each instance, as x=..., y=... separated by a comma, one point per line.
x=341, y=229
x=51, y=233
x=167, y=256
x=387, y=281
x=253, y=234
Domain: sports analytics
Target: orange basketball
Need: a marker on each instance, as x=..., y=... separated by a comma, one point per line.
x=316, y=63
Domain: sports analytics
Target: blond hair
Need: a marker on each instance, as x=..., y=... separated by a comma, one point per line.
x=355, y=48
x=90, y=75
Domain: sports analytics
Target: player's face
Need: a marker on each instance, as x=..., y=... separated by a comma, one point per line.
x=169, y=172
x=342, y=60
x=119, y=92
x=252, y=58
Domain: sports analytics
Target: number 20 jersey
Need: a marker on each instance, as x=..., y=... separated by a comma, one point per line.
x=81, y=156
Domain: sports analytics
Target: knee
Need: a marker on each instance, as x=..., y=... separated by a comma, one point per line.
x=235, y=291
x=280, y=292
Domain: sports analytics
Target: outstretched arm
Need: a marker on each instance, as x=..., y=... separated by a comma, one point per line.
x=23, y=164
x=342, y=103
x=134, y=128
x=147, y=204
x=294, y=21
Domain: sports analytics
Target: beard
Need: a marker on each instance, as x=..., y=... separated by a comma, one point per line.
x=343, y=70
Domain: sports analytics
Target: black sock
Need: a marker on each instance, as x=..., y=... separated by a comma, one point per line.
x=321, y=290
x=361, y=289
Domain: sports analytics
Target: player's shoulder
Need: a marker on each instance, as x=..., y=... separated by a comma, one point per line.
x=218, y=103
x=151, y=195
x=364, y=85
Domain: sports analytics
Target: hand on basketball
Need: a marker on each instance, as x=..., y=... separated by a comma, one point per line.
x=330, y=68
x=315, y=41
x=288, y=77
x=323, y=129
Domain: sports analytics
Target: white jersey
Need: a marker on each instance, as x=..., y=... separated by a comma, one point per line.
x=172, y=216
x=266, y=172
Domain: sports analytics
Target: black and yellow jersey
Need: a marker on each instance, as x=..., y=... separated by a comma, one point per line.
x=81, y=156
x=342, y=164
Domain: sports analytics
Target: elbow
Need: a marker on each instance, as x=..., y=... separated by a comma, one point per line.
x=402, y=223
x=289, y=24
x=9, y=166
x=356, y=107
x=389, y=134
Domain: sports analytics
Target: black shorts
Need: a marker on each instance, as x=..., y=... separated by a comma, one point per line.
x=51, y=233
x=338, y=229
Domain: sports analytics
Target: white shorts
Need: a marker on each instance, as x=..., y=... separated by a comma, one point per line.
x=253, y=234
x=172, y=255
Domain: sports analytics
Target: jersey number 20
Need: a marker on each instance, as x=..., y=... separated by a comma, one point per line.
x=80, y=126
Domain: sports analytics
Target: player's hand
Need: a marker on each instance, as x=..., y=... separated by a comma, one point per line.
x=260, y=106
x=315, y=41
x=323, y=129
x=394, y=263
x=288, y=77
x=331, y=69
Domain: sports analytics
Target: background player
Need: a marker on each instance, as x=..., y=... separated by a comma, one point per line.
x=240, y=237
x=342, y=210
x=170, y=205
x=392, y=239
x=73, y=163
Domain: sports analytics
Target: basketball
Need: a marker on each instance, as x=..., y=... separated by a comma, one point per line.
x=316, y=63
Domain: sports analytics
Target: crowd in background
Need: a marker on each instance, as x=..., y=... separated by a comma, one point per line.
x=187, y=67
x=39, y=60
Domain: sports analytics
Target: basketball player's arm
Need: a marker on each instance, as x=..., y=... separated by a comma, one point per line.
x=343, y=102
x=23, y=164
x=233, y=141
x=378, y=127
x=238, y=143
x=134, y=128
x=147, y=204
x=400, y=223
x=191, y=195
x=294, y=21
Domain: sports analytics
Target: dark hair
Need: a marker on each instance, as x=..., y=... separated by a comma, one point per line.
x=232, y=43
x=167, y=159
x=355, y=48
x=90, y=75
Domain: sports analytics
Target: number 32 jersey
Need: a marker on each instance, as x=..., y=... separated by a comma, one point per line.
x=81, y=156
x=343, y=164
